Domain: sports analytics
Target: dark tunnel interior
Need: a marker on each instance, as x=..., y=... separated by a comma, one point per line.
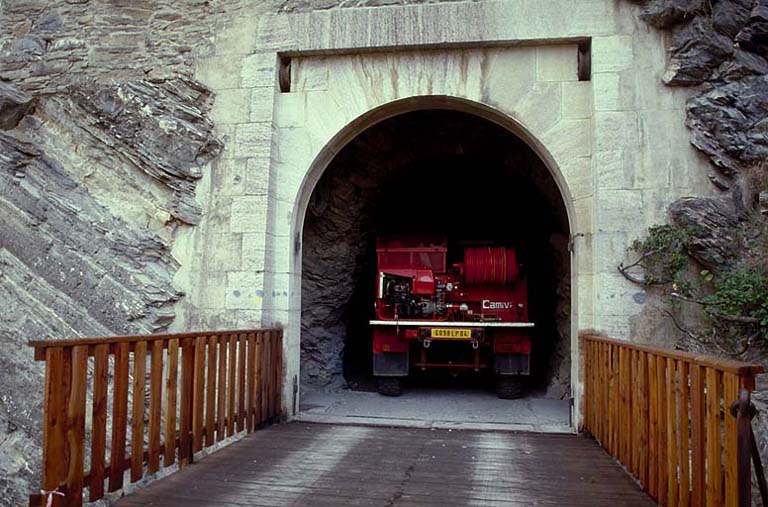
x=434, y=172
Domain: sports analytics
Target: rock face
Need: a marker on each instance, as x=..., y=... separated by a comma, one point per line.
x=712, y=223
x=729, y=123
x=722, y=46
x=102, y=137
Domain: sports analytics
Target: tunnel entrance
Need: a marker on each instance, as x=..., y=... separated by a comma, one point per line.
x=430, y=172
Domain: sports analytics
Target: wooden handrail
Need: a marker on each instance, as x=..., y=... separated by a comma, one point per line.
x=193, y=389
x=719, y=363
x=661, y=413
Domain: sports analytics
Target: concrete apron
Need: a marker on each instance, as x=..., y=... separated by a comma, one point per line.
x=438, y=409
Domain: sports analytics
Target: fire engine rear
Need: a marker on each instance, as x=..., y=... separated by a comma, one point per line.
x=471, y=315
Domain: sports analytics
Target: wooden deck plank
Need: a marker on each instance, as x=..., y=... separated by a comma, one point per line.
x=314, y=464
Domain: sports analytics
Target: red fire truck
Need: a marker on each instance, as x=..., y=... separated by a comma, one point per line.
x=471, y=315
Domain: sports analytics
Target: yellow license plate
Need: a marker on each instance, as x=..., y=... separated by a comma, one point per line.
x=451, y=334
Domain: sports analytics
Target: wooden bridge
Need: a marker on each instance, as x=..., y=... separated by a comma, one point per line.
x=657, y=429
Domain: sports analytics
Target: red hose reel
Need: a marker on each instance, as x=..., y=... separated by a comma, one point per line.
x=490, y=265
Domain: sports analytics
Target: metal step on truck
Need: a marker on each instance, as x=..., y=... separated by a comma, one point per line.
x=471, y=315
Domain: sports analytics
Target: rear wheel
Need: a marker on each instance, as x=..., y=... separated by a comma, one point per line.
x=389, y=386
x=509, y=388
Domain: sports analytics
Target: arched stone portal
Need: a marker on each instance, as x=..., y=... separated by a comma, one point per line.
x=291, y=317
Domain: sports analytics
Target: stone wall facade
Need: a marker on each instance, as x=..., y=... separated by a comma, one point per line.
x=613, y=142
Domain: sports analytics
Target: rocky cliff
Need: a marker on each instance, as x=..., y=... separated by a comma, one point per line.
x=103, y=133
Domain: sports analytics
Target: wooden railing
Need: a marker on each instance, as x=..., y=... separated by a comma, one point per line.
x=662, y=413
x=158, y=396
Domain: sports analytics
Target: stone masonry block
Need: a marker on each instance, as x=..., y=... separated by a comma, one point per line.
x=228, y=176
x=262, y=104
x=258, y=70
x=578, y=174
x=245, y=290
x=257, y=176
x=556, y=63
x=223, y=251
x=238, y=38
x=612, y=53
x=584, y=215
x=577, y=100
x=211, y=291
x=614, y=169
x=615, y=295
x=585, y=293
x=253, y=140
x=617, y=130
x=220, y=72
x=569, y=138
x=610, y=249
x=309, y=74
x=249, y=214
x=231, y=106
x=290, y=109
x=617, y=209
x=585, y=256
x=613, y=91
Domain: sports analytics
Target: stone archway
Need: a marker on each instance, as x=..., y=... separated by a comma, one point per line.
x=369, y=119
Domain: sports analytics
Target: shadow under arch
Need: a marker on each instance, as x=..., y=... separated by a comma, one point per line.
x=422, y=103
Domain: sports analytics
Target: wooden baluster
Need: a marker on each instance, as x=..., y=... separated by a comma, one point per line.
x=251, y=381
x=76, y=425
x=54, y=454
x=636, y=423
x=653, y=427
x=589, y=380
x=684, y=425
x=730, y=395
x=155, y=406
x=714, y=448
x=661, y=384
x=594, y=379
x=232, y=385
x=611, y=401
x=672, y=434
x=278, y=386
x=606, y=388
x=119, y=417
x=137, y=412
x=595, y=361
x=171, y=393
x=632, y=433
x=642, y=418
x=99, y=421
x=698, y=482
x=619, y=402
x=198, y=394
x=210, y=392
x=265, y=388
x=185, y=403
x=241, y=361
x=221, y=393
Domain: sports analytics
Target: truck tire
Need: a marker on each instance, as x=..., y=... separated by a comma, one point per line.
x=509, y=388
x=389, y=386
